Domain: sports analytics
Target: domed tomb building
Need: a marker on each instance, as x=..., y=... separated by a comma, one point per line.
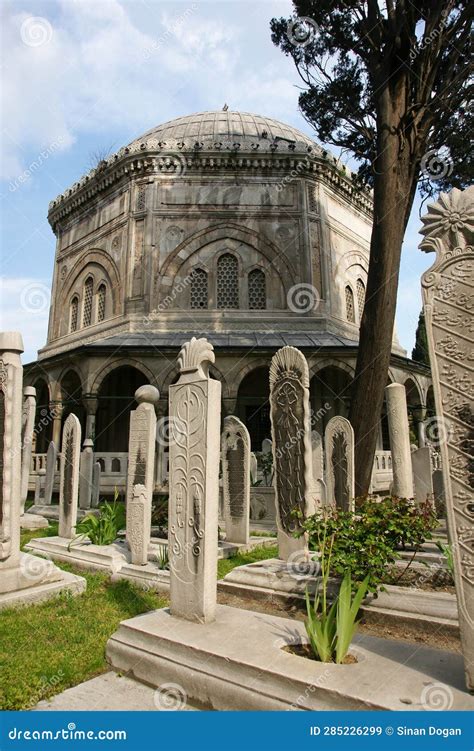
x=223, y=224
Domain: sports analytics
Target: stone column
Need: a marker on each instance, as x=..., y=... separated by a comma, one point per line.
x=90, y=404
x=28, y=426
x=56, y=409
x=51, y=459
x=318, y=467
x=69, y=476
x=235, y=456
x=397, y=415
x=95, y=495
x=85, y=474
x=291, y=446
x=11, y=381
x=141, y=460
x=195, y=408
x=447, y=301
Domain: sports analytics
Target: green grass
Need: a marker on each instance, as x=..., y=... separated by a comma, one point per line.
x=258, y=554
x=54, y=645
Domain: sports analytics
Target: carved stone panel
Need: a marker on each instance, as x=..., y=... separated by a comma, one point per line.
x=235, y=455
x=448, y=297
x=339, y=448
x=69, y=476
x=51, y=459
x=193, y=484
x=291, y=444
x=28, y=425
x=139, y=525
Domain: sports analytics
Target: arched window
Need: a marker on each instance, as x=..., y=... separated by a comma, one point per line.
x=257, y=290
x=198, y=292
x=360, y=297
x=73, y=313
x=227, y=282
x=350, y=313
x=87, y=310
x=101, y=302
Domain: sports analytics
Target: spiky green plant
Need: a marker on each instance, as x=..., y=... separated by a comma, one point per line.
x=103, y=528
x=162, y=558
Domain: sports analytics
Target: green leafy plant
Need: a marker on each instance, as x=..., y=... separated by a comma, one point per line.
x=102, y=529
x=331, y=628
x=448, y=553
x=162, y=558
x=265, y=462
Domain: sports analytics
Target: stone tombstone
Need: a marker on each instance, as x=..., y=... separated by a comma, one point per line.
x=266, y=446
x=141, y=449
x=448, y=303
x=318, y=466
x=291, y=445
x=399, y=431
x=85, y=475
x=235, y=454
x=195, y=405
x=27, y=430
x=69, y=476
x=139, y=525
x=340, y=473
x=51, y=459
x=253, y=467
x=95, y=494
x=11, y=381
x=422, y=474
x=40, y=487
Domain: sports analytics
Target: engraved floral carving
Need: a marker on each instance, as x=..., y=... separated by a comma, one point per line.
x=339, y=448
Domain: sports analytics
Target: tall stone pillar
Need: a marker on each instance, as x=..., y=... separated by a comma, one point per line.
x=56, y=409
x=85, y=474
x=195, y=408
x=69, y=478
x=90, y=404
x=397, y=415
x=28, y=426
x=447, y=289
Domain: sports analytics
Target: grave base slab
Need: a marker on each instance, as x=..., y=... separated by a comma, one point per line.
x=109, y=558
x=51, y=511
x=238, y=662
x=35, y=586
x=33, y=521
x=147, y=577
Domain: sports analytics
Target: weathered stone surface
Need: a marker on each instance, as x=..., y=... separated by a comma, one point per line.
x=194, y=490
x=447, y=300
x=85, y=474
x=141, y=466
x=235, y=457
x=291, y=445
x=95, y=493
x=422, y=474
x=69, y=477
x=318, y=467
x=253, y=467
x=40, y=487
x=27, y=428
x=397, y=416
x=51, y=459
x=139, y=525
x=340, y=477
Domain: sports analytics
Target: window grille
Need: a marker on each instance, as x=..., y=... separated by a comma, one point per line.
x=360, y=297
x=198, y=291
x=227, y=282
x=257, y=290
x=74, y=314
x=350, y=314
x=87, y=311
x=101, y=303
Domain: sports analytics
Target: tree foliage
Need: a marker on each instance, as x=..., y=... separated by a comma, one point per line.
x=420, y=351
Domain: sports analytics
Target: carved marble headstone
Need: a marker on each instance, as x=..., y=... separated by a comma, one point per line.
x=235, y=453
x=291, y=445
x=253, y=467
x=318, y=467
x=85, y=474
x=139, y=525
x=69, y=476
x=266, y=446
x=95, y=494
x=422, y=474
x=399, y=431
x=40, y=487
x=195, y=404
x=27, y=429
x=340, y=475
x=141, y=452
x=51, y=459
x=448, y=300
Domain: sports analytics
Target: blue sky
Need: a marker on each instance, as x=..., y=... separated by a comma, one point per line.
x=85, y=75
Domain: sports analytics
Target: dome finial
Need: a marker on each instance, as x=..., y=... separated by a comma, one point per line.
x=225, y=107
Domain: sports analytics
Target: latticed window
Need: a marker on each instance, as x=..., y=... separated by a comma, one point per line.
x=198, y=292
x=101, y=302
x=360, y=296
x=87, y=310
x=350, y=313
x=227, y=281
x=73, y=314
x=257, y=289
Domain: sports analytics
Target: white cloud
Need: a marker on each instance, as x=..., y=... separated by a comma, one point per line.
x=25, y=308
